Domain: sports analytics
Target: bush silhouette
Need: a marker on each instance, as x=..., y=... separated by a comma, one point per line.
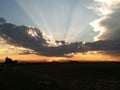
x=9, y=61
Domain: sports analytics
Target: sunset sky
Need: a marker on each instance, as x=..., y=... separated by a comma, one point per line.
x=60, y=30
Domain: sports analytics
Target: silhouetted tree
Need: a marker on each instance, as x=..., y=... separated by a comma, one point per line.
x=9, y=61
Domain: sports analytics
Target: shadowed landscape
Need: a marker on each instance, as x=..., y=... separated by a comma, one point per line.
x=60, y=76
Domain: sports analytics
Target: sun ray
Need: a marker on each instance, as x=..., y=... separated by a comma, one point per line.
x=70, y=18
x=63, y=20
x=36, y=15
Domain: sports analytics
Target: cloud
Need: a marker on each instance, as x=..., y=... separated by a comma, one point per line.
x=115, y=53
x=108, y=23
x=19, y=35
x=64, y=49
x=22, y=36
x=32, y=38
x=105, y=7
x=105, y=47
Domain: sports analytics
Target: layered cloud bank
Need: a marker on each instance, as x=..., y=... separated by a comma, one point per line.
x=39, y=43
x=109, y=22
x=32, y=38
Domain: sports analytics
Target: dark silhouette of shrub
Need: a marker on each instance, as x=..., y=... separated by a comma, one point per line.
x=9, y=61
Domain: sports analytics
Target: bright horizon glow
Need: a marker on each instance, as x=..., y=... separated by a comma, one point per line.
x=89, y=56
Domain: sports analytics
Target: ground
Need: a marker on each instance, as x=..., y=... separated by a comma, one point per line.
x=60, y=76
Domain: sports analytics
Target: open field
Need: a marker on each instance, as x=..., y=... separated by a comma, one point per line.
x=60, y=76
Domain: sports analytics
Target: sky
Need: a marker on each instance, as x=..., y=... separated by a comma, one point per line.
x=60, y=30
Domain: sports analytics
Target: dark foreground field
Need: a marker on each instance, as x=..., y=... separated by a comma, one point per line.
x=60, y=76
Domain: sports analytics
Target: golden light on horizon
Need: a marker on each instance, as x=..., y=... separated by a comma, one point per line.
x=89, y=56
